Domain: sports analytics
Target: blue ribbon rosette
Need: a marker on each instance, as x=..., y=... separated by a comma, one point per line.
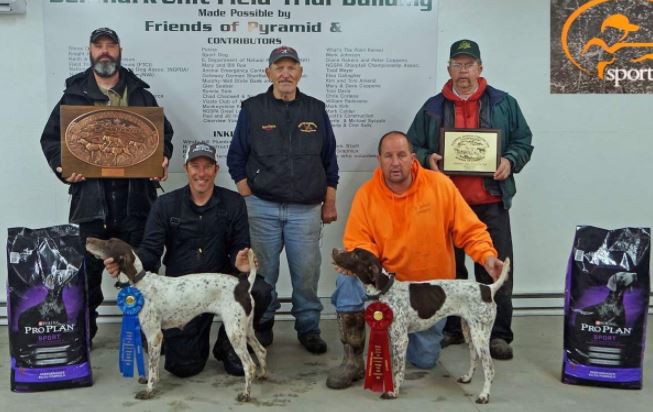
x=130, y=301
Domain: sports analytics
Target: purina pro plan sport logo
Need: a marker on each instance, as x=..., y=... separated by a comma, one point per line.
x=602, y=46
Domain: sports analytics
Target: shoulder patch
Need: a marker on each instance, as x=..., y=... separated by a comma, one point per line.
x=426, y=299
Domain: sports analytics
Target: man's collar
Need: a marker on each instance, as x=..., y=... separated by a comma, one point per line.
x=298, y=95
x=119, y=88
x=461, y=97
x=213, y=200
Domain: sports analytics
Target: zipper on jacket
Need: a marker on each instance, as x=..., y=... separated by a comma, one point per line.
x=289, y=126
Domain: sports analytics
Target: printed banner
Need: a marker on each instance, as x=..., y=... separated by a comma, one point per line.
x=602, y=46
x=371, y=61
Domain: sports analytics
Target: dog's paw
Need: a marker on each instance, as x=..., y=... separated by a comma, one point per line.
x=464, y=379
x=262, y=376
x=243, y=397
x=483, y=398
x=389, y=395
x=142, y=380
x=144, y=395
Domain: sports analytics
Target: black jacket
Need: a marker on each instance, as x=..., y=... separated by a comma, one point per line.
x=286, y=150
x=197, y=238
x=88, y=197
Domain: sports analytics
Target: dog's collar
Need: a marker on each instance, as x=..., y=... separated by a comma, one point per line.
x=386, y=288
x=139, y=276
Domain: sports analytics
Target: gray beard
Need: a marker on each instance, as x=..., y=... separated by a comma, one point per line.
x=106, y=69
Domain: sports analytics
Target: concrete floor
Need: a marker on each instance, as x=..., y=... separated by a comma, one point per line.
x=530, y=382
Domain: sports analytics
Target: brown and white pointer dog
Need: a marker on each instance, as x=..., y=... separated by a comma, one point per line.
x=418, y=305
x=171, y=302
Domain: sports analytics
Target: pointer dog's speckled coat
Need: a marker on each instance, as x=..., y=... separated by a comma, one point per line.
x=171, y=302
x=419, y=305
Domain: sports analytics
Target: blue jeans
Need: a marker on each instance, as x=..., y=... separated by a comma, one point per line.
x=423, y=347
x=297, y=227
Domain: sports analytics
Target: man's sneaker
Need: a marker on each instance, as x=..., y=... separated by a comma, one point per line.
x=226, y=354
x=452, y=339
x=313, y=342
x=223, y=351
x=500, y=349
x=264, y=333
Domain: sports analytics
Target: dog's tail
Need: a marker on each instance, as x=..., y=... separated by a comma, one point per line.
x=252, y=269
x=502, y=277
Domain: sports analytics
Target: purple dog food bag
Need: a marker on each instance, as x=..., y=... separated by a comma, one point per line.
x=606, y=305
x=46, y=309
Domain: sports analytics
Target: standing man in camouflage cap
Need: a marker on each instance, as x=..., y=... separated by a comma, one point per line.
x=467, y=101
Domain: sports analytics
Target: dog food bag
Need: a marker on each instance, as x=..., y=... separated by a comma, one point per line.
x=606, y=304
x=46, y=309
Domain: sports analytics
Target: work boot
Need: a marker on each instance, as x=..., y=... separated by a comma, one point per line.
x=223, y=351
x=500, y=349
x=263, y=332
x=352, y=336
x=313, y=343
x=451, y=339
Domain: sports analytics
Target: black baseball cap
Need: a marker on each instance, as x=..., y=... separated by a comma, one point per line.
x=283, y=52
x=104, y=32
x=467, y=47
x=200, y=149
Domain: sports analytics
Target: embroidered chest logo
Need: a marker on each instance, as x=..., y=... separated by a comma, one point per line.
x=423, y=208
x=307, y=127
x=268, y=127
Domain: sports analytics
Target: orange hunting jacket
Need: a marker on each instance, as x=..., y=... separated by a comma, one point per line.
x=414, y=233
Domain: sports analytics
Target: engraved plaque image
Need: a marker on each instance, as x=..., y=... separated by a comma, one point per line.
x=112, y=142
x=470, y=151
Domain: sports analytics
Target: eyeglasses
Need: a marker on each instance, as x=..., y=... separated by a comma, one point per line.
x=459, y=66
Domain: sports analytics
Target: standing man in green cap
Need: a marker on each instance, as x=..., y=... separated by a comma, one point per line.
x=467, y=101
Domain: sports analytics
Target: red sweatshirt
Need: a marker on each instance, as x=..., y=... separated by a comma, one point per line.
x=466, y=114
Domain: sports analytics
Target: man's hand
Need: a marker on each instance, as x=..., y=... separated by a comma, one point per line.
x=433, y=161
x=329, y=212
x=504, y=169
x=242, y=261
x=164, y=165
x=73, y=178
x=112, y=267
x=243, y=188
x=342, y=270
x=493, y=267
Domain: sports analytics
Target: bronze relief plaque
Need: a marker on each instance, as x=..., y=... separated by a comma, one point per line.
x=99, y=141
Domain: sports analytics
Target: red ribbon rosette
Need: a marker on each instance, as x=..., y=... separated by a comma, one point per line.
x=378, y=374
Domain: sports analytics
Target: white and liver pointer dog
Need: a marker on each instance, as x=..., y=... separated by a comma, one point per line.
x=418, y=305
x=171, y=302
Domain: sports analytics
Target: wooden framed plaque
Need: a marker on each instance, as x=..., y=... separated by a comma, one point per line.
x=115, y=142
x=470, y=151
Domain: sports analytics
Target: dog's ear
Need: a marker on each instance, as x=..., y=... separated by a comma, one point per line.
x=378, y=278
x=612, y=282
x=126, y=264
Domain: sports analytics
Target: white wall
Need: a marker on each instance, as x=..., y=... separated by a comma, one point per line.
x=591, y=163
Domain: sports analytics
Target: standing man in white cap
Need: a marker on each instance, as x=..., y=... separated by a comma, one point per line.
x=283, y=160
x=467, y=101
x=105, y=208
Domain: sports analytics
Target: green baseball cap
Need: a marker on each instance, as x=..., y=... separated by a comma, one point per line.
x=467, y=47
